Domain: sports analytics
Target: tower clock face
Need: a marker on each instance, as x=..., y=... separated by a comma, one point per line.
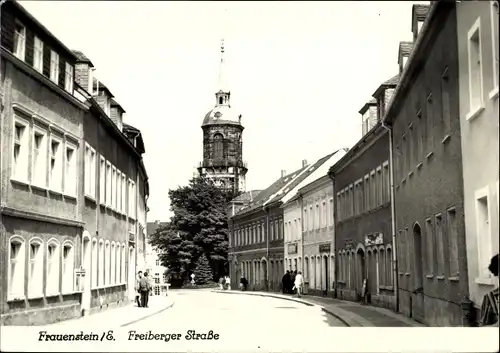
x=217, y=115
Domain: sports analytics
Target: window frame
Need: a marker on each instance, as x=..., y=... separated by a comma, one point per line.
x=68, y=275
x=35, y=265
x=41, y=158
x=54, y=67
x=38, y=54
x=53, y=277
x=18, y=293
x=483, y=241
x=70, y=181
x=494, y=38
x=24, y=152
x=94, y=263
x=475, y=30
x=20, y=51
x=60, y=158
x=69, y=77
x=102, y=180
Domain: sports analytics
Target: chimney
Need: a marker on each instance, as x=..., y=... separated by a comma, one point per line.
x=83, y=71
x=419, y=14
x=304, y=163
x=405, y=49
x=283, y=173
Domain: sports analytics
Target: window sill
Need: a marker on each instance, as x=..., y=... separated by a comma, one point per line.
x=39, y=187
x=16, y=298
x=419, y=165
x=454, y=279
x=484, y=281
x=68, y=196
x=429, y=155
x=52, y=294
x=55, y=192
x=88, y=197
x=19, y=181
x=403, y=181
x=35, y=296
x=446, y=138
x=429, y=276
x=410, y=174
x=493, y=94
x=407, y=274
x=473, y=114
x=440, y=278
x=401, y=273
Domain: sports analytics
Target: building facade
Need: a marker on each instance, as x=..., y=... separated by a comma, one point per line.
x=154, y=266
x=222, y=141
x=478, y=72
x=292, y=218
x=318, y=235
x=426, y=145
x=64, y=218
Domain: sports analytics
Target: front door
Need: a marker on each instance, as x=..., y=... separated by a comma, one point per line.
x=86, y=261
x=325, y=275
x=417, y=295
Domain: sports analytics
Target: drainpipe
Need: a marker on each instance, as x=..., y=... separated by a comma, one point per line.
x=393, y=218
x=267, y=247
x=335, y=257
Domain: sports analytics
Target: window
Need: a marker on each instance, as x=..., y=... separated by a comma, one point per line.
x=112, y=257
x=366, y=191
x=101, y=263
x=16, y=268
x=351, y=200
x=118, y=191
x=19, y=40
x=483, y=232
x=90, y=169
x=380, y=184
x=94, y=280
x=330, y=214
x=316, y=217
x=38, y=55
x=39, y=173
x=68, y=78
x=453, y=237
x=107, y=263
x=305, y=215
x=445, y=98
x=117, y=266
x=366, y=123
x=68, y=262
x=429, y=241
x=35, y=275
x=218, y=146
x=52, y=268
x=387, y=183
x=475, y=67
x=123, y=259
x=439, y=245
x=56, y=160
x=430, y=124
x=54, y=66
x=124, y=193
x=131, y=198
x=70, y=171
x=108, y=184
x=113, y=187
x=20, y=150
x=389, y=266
x=102, y=181
x=494, y=36
x=373, y=191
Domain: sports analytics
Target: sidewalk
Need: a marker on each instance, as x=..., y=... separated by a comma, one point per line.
x=350, y=313
x=121, y=316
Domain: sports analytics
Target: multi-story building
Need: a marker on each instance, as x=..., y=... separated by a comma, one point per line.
x=292, y=218
x=222, y=141
x=478, y=81
x=68, y=194
x=426, y=144
x=154, y=267
x=316, y=206
x=363, y=222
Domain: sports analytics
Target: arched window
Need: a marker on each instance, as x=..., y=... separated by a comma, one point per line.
x=68, y=261
x=218, y=146
x=94, y=263
x=382, y=274
x=35, y=275
x=16, y=268
x=117, y=263
x=112, y=262
x=107, y=267
x=376, y=271
x=122, y=277
x=306, y=267
x=101, y=263
x=221, y=100
x=53, y=259
x=388, y=261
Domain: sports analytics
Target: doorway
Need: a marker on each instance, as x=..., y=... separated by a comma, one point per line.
x=86, y=264
x=417, y=309
x=360, y=270
x=326, y=273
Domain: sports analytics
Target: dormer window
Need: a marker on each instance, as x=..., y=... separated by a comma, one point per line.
x=19, y=41
x=68, y=78
x=54, y=66
x=38, y=55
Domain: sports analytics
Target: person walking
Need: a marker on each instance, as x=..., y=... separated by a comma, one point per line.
x=137, y=289
x=221, y=283
x=242, y=282
x=299, y=282
x=292, y=281
x=489, y=307
x=145, y=288
x=228, y=283
x=285, y=282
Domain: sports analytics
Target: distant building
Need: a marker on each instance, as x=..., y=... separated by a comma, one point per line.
x=69, y=197
x=153, y=263
x=222, y=141
x=478, y=81
x=426, y=146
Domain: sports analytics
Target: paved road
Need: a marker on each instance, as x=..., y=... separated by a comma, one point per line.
x=242, y=322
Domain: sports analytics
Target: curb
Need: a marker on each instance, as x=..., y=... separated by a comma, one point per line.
x=338, y=317
x=149, y=315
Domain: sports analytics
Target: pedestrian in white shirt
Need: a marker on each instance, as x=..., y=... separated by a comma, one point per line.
x=299, y=281
x=228, y=283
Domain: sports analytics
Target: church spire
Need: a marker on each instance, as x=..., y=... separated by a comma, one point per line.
x=222, y=95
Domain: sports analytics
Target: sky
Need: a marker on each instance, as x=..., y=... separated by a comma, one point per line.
x=298, y=72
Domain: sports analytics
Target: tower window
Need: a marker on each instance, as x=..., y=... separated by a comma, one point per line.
x=218, y=146
x=221, y=100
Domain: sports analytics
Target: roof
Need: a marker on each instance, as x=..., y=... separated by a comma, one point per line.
x=132, y=132
x=102, y=86
x=221, y=115
x=405, y=48
x=365, y=107
x=82, y=58
x=247, y=196
x=153, y=226
x=390, y=83
x=116, y=104
x=44, y=29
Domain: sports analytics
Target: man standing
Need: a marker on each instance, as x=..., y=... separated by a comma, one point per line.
x=299, y=281
x=144, y=287
x=137, y=288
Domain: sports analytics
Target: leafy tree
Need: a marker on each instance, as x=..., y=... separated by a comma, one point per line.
x=202, y=271
x=198, y=226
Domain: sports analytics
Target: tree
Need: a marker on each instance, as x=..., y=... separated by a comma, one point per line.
x=198, y=226
x=202, y=271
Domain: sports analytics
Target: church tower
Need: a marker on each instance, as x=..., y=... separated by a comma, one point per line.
x=222, y=140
